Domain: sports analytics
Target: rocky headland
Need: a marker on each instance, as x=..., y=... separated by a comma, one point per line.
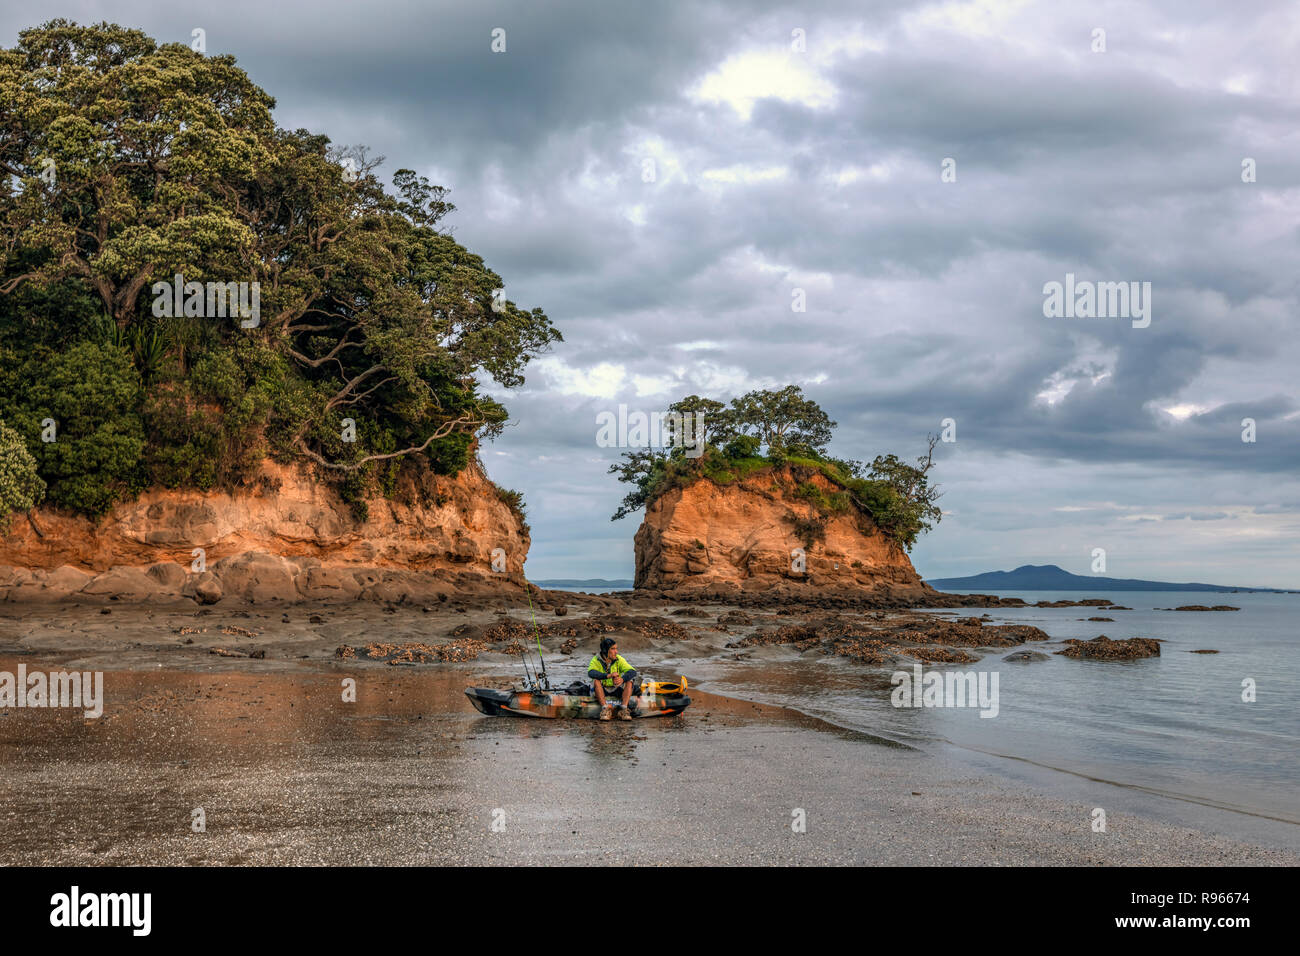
x=286, y=537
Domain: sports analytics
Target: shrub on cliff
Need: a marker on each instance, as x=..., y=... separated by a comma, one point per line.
x=20, y=487
x=741, y=447
x=78, y=411
x=136, y=163
x=514, y=500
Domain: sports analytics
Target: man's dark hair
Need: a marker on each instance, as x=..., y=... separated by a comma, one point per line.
x=605, y=644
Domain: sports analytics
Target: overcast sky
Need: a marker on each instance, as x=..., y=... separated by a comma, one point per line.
x=776, y=169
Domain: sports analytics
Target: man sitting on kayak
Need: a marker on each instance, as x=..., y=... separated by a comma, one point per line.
x=610, y=673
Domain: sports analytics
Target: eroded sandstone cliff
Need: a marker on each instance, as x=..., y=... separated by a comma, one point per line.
x=759, y=534
x=285, y=537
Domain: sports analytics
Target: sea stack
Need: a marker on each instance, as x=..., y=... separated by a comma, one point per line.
x=764, y=535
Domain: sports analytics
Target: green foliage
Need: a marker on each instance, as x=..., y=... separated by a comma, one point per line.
x=903, y=494
x=724, y=470
x=784, y=420
x=20, y=487
x=447, y=456
x=136, y=162
x=514, y=500
x=208, y=428
x=352, y=489
x=710, y=420
x=646, y=471
x=91, y=394
x=742, y=446
x=832, y=502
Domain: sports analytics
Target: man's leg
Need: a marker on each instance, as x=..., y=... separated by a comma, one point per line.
x=599, y=689
x=625, y=714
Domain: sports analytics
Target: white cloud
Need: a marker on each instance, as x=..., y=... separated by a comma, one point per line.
x=1185, y=410
x=603, y=380
x=971, y=18
x=743, y=79
x=653, y=384
x=745, y=174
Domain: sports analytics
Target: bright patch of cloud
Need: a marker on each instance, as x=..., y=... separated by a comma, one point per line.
x=655, y=164
x=1092, y=364
x=653, y=384
x=876, y=172
x=972, y=18
x=745, y=78
x=745, y=174
x=603, y=380
x=716, y=381
x=1186, y=410
x=1242, y=84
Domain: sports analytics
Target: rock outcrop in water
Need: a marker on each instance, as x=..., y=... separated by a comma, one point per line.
x=711, y=540
x=285, y=538
x=1104, y=649
x=898, y=637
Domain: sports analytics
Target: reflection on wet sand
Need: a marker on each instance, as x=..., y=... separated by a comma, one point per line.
x=285, y=771
x=277, y=752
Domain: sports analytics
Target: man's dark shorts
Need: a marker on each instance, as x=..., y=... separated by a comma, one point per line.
x=613, y=694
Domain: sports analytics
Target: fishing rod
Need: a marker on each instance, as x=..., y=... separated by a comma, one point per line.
x=539, y=678
x=528, y=678
x=546, y=681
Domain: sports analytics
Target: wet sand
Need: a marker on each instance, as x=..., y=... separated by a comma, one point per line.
x=286, y=772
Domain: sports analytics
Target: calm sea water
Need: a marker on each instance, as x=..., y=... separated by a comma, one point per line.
x=1172, y=728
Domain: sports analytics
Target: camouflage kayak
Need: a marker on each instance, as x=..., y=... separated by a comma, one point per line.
x=657, y=699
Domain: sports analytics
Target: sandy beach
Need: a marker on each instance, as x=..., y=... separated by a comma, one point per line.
x=281, y=770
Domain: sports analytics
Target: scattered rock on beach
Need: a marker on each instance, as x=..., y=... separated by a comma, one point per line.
x=464, y=649
x=736, y=617
x=207, y=590
x=939, y=655
x=690, y=612
x=167, y=573
x=864, y=651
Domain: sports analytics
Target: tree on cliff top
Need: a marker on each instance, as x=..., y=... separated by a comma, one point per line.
x=793, y=429
x=127, y=163
x=782, y=420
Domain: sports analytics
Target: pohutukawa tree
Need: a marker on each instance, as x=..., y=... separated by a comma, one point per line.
x=782, y=420
x=127, y=163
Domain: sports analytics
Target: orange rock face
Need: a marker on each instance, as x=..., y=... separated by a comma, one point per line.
x=744, y=536
x=286, y=535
